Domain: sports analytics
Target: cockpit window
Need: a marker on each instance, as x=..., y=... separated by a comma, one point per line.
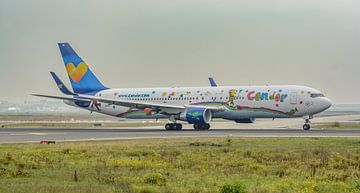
x=315, y=95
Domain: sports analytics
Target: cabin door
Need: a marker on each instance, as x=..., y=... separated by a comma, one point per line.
x=293, y=98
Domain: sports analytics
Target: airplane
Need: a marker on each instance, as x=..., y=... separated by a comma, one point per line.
x=194, y=105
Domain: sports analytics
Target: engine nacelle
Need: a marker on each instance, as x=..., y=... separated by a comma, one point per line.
x=196, y=116
x=248, y=120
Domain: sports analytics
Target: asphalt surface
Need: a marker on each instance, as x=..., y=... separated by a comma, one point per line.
x=21, y=135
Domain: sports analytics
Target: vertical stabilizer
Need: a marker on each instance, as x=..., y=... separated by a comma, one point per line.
x=81, y=77
x=212, y=82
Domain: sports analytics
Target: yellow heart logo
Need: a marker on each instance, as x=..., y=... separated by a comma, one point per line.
x=76, y=73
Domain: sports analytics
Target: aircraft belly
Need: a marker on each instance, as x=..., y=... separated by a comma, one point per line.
x=252, y=113
x=139, y=114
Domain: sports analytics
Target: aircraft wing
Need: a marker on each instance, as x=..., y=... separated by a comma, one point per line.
x=161, y=107
x=142, y=105
x=133, y=104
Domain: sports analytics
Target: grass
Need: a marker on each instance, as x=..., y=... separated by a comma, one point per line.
x=184, y=165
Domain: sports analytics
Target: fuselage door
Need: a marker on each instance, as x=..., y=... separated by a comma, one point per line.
x=293, y=98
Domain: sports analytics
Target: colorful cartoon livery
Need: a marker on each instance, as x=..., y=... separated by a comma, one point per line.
x=195, y=105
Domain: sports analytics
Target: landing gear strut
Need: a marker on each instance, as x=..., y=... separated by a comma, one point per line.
x=306, y=125
x=173, y=126
x=202, y=126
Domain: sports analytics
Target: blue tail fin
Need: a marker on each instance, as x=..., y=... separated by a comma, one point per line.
x=212, y=82
x=81, y=77
x=61, y=85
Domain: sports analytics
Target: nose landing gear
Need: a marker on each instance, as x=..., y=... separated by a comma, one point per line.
x=307, y=125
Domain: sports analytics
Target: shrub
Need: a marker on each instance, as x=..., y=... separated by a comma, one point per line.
x=66, y=151
x=144, y=189
x=233, y=188
x=228, y=141
x=106, y=177
x=8, y=157
x=323, y=156
x=247, y=154
x=155, y=179
x=205, y=144
x=141, y=152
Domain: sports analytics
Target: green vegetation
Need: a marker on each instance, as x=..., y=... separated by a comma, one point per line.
x=184, y=165
x=233, y=188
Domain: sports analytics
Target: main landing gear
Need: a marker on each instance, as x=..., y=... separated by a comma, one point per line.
x=178, y=126
x=173, y=126
x=306, y=125
x=202, y=126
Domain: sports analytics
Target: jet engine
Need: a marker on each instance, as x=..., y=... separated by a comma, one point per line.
x=197, y=116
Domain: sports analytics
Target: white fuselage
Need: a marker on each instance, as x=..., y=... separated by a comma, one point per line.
x=241, y=102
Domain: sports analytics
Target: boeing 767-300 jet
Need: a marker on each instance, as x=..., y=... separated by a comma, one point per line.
x=195, y=105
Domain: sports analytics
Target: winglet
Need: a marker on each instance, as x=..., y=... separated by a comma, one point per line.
x=61, y=85
x=212, y=82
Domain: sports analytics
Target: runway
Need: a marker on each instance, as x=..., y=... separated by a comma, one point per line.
x=25, y=135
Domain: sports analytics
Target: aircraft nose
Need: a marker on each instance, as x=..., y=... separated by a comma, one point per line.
x=326, y=102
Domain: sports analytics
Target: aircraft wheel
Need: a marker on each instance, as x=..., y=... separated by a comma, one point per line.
x=202, y=127
x=169, y=126
x=207, y=126
x=178, y=126
x=173, y=126
x=306, y=126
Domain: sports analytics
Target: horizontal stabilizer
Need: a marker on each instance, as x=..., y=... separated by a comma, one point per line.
x=61, y=85
x=63, y=97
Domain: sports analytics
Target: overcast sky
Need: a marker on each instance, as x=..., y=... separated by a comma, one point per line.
x=153, y=43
